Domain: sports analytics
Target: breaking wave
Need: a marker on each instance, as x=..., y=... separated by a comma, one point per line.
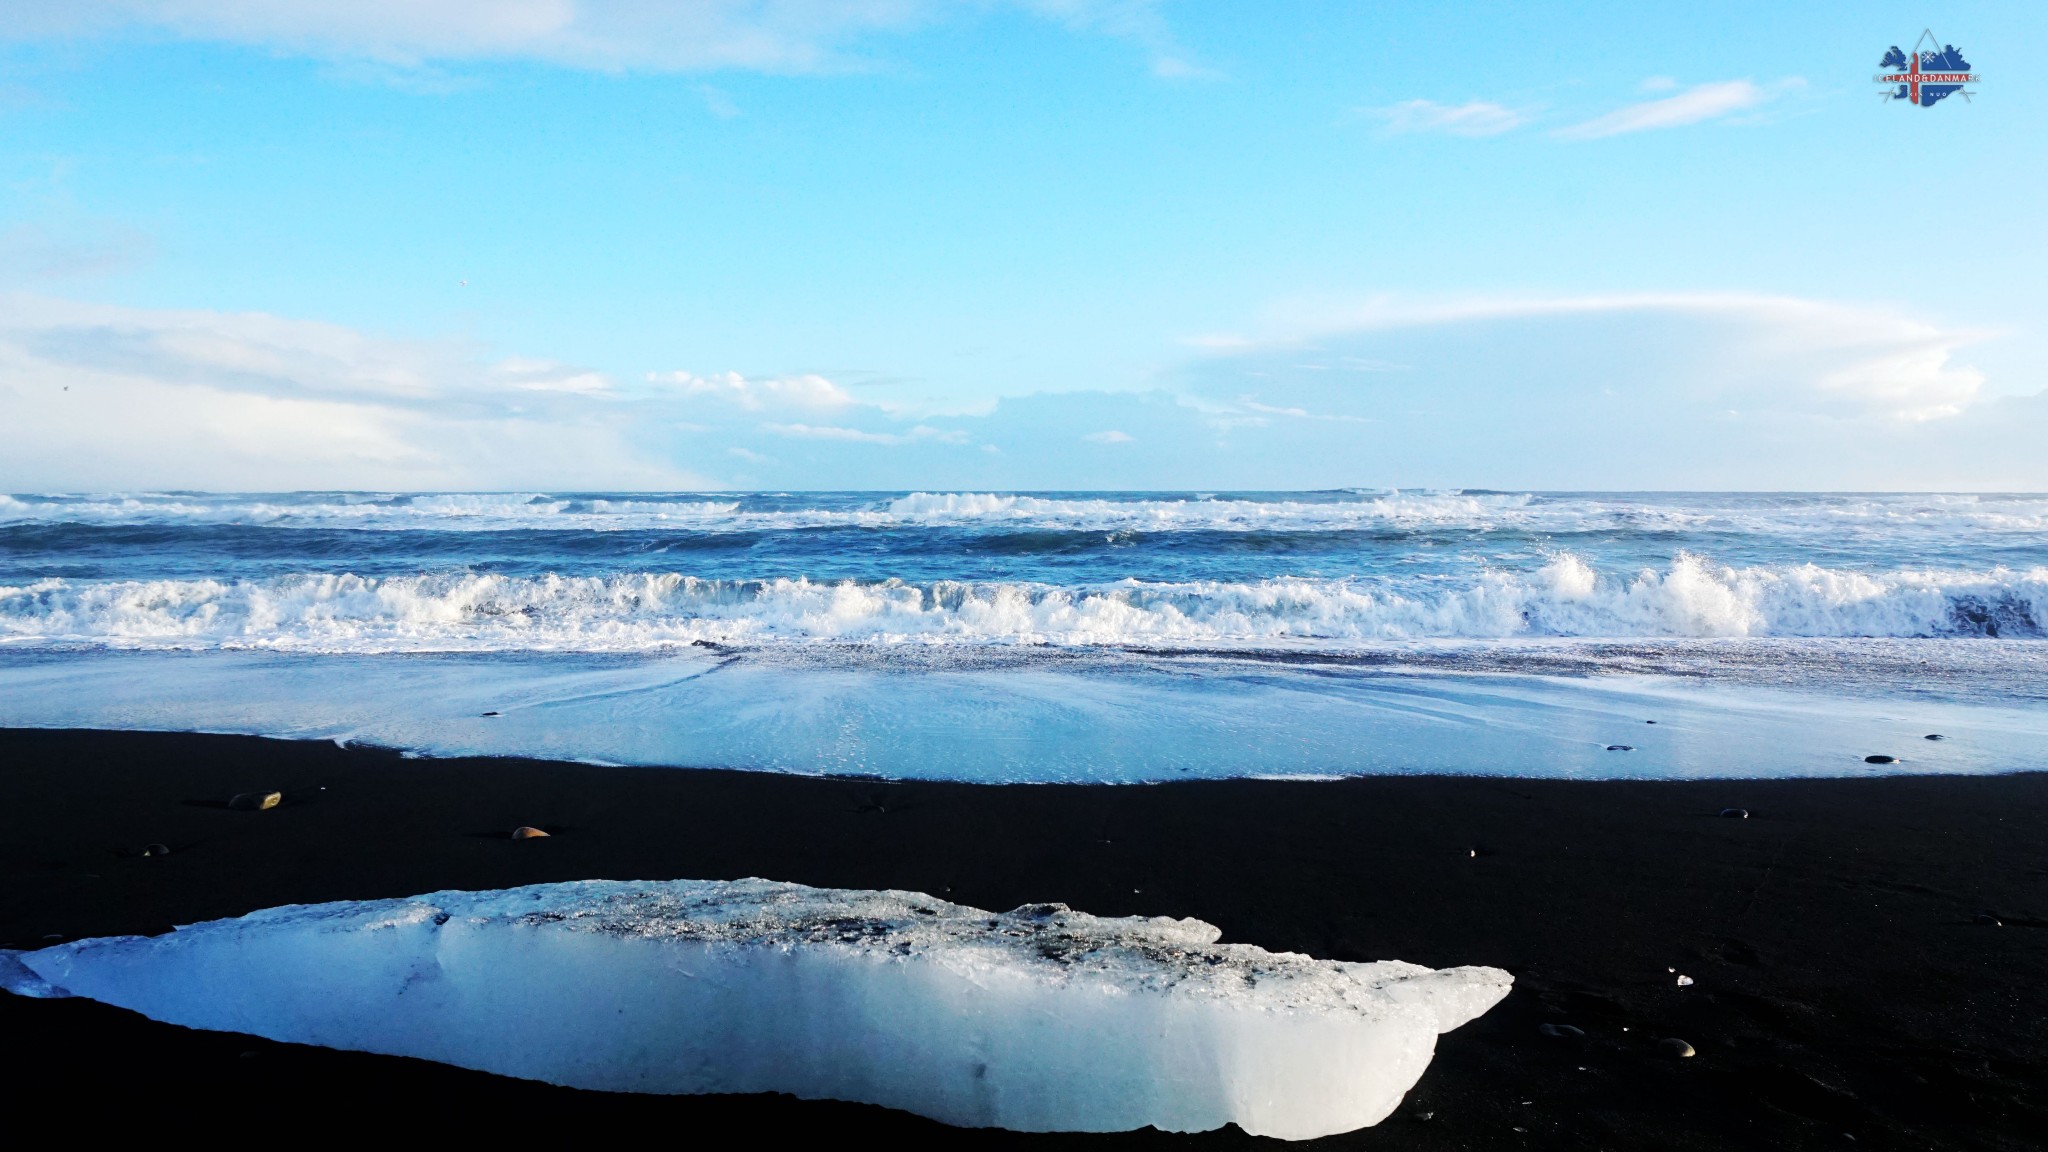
x=1567, y=597
x=1308, y=512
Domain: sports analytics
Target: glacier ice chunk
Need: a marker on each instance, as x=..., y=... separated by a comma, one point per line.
x=1040, y=1019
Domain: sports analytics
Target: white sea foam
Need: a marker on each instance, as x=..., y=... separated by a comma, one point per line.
x=1805, y=516
x=1693, y=597
x=510, y=511
x=1042, y=1019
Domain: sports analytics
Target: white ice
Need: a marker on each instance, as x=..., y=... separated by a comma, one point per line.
x=1040, y=1019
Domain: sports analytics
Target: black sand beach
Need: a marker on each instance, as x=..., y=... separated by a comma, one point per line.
x=1848, y=989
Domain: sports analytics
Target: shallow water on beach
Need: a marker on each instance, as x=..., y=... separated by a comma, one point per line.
x=1066, y=636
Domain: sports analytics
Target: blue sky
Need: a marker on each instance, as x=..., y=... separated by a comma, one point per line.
x=1027, y=244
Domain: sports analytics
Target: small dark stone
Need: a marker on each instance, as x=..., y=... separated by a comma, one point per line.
x=1561, y=1031
x=255, y=801
x=1880, y=759
x=491, y=713
x=1735, y=813
x=1649, y=721
x=1934, y=736
x=1675, y=1048
x=156, y=850
x=1990, y=919
x=1621, y=747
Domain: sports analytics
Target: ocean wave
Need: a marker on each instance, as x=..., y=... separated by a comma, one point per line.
x=1692, y=597
x=513, y=511
x=1792, y=517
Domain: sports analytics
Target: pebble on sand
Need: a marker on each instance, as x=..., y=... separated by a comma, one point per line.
x=1735, y=813
x=1673, y=1046
x=1934, y=736
x=1685, y=981
x=1561, y=1031
x=1880, y=759
x=491, y=713
x=255, y=801
x=527, y=832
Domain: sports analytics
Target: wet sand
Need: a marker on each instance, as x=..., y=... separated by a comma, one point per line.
x=1844, y=985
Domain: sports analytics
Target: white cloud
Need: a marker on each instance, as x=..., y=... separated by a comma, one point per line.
x=1619, y=391
x=606, y=35
x=1696, y=104
x=1624, y=391
x=1472, y=118
x=97, y=397
x=94, y=396
x=1816, y=355
x=805, y=392
x=830, y=432
x=865, y=436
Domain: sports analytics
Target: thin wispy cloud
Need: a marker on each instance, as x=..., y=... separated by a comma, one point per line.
x=1472, y=118
x=1695, y=105
x=717, y=102
x=788, y=36
x=30, y=254
x=1136, y=21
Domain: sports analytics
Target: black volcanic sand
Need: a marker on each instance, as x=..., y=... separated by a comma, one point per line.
x=1844, y=986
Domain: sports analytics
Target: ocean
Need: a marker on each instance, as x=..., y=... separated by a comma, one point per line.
x=1064, y=636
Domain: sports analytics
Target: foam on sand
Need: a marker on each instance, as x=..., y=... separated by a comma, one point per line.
x=1041, y=1019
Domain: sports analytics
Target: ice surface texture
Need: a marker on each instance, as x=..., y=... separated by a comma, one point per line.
x=1039, y=1019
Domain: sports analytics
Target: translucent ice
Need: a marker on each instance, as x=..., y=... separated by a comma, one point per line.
x=1038, y=1019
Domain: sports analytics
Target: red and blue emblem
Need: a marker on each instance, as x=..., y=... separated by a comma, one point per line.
x=1923, y=76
